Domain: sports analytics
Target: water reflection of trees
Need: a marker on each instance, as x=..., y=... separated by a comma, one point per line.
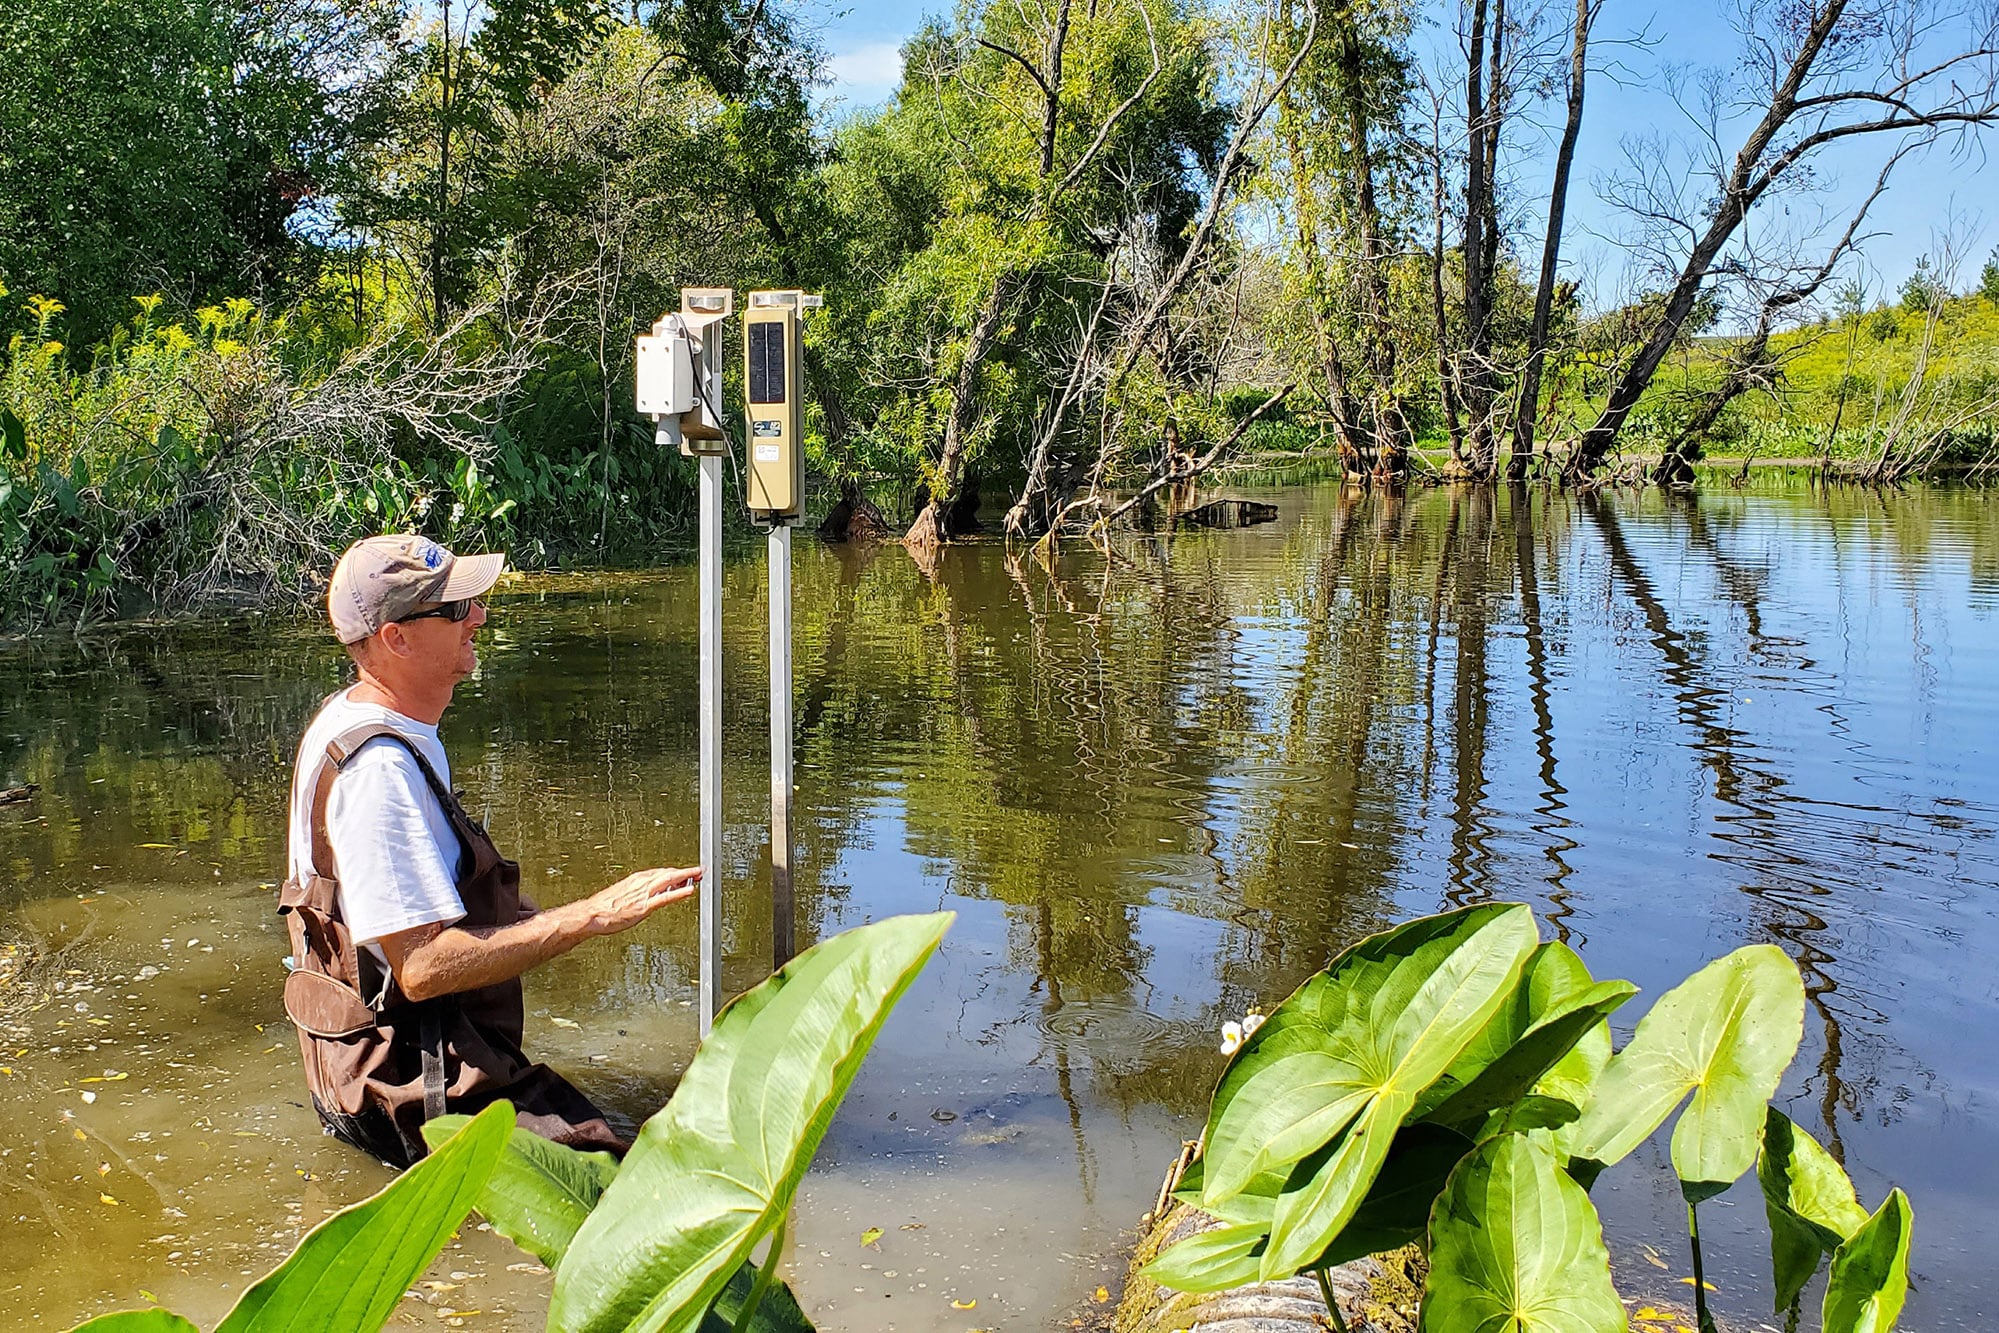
x=166, y=736
x=1789, y=847
x=1246, y=715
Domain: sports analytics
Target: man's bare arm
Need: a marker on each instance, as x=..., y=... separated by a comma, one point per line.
x=434, y=960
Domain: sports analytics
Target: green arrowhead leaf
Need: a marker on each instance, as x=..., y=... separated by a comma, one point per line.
x=540, y=1192
x=1725, y=1034
x=1870, y=1272
x=1551, y=973
x=1396, y=1210
x=1809, y=1200
x=717, y=1168
x=351, y=1270
x=1215, y=1260
x=1387, y=1017
x=1531, y=1112
x=1552, y=1008
x=1573, y=1079
x=1397, y=1010
x=137, y=1321
x=1516, y=1246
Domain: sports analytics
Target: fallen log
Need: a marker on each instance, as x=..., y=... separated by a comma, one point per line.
x=1227, y=514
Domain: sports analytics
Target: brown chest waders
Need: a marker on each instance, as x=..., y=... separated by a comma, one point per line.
x=377, y=1064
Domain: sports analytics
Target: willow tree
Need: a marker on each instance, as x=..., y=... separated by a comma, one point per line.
x=1342, y=146
x=1055, y=126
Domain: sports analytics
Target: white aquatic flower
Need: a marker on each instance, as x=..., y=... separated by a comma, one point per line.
x=1235, y=1034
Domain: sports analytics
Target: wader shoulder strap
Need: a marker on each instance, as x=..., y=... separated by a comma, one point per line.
x=378, y=993
x=342, y=748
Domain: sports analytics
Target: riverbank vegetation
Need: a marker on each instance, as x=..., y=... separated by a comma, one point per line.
x=291, y=270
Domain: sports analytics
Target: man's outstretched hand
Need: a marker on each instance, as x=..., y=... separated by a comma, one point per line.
x=443, y=960
x=637, y=896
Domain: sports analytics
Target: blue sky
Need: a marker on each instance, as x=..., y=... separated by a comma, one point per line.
x=1628, y=111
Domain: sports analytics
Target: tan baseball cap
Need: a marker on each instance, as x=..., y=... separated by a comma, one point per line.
x=381, y=579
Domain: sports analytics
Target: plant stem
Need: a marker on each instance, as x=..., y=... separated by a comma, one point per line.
x=1702, y=1317
x=765, y=1276
x=1332, y=1303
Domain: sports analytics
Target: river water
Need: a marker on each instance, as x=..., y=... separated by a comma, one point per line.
x=1157, y=790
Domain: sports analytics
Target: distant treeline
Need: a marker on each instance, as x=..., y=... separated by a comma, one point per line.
x=280, y=271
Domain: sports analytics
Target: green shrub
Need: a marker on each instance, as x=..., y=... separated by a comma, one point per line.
x=227, y=454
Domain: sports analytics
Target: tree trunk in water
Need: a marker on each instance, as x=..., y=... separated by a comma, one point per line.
x=1347, y=436
x=1390, y=428
x=1446, y=389
x=1529, y=404
x=933, y=523
x=1630, y=386
x=1475, y=377
x=1747, y=368
x=1030, y=515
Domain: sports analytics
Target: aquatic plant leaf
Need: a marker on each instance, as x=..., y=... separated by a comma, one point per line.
x=1301, y=1099
x=1870, y=1271
x=777, y=1312
x=1554, y=1005
x=1810, y=1202
x=1725, y=1034
x=717, y=1167
x=1383, y=1022
x=138, y=1321
x=1531, y=1112
x=1396, y=1210
x=1398, y=1008
x=351, y=1270
x=1515, y=1245
x=1573, y=1078
x=540, y=1192
x=1551, y=973
x=1215, y=1260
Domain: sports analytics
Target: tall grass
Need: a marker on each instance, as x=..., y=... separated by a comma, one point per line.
x=1917, y=385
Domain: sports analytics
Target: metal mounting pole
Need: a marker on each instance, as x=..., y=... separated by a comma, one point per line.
x=711, y=738
x=782, y=938
x=680, y=386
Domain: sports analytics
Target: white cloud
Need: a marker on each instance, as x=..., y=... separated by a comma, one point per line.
x=866, y=73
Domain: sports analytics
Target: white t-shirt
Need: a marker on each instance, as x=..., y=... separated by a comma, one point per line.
x=394, y=851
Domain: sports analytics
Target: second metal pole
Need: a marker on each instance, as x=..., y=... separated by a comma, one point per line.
x=782, y=941
x=711, y=739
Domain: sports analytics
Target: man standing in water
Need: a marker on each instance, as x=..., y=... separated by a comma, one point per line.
x=409, y=932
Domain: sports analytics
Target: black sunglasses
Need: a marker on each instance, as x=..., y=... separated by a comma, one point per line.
x=451, y=611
